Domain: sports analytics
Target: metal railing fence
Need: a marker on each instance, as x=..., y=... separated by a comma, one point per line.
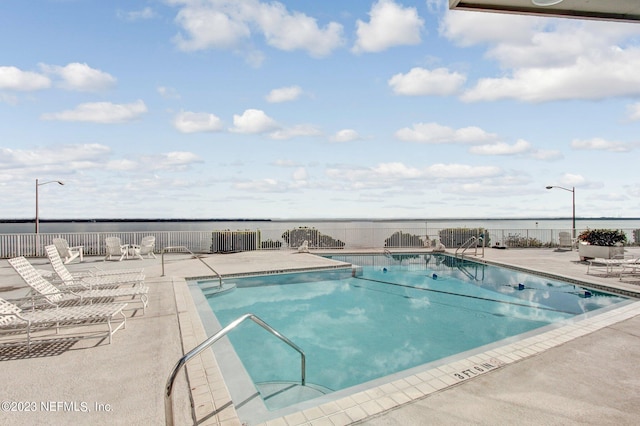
x=347, y=238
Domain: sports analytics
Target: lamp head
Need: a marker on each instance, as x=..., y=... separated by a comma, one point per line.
x=549, y=187
x=544, y=3
x=60, y=182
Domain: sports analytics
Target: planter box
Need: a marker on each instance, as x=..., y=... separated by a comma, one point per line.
x=588, y=251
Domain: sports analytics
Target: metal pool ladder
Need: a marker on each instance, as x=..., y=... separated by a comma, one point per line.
x=467, y=244
x=168, y=397
x=165, y=249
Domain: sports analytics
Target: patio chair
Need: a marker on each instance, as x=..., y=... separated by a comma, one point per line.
x=610, y=265
x=12, y=317
x=630, y=269
x=91, y=276
x=565, y=240
x=115, y=248
x=304, y=247
x=50, y=295
x=66, y=252
x=70, y=282
x=146, y=247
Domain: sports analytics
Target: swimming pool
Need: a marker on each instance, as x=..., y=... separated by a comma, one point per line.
x=395, y=314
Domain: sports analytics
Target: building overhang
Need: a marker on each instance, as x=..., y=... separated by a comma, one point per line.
x=602, y=10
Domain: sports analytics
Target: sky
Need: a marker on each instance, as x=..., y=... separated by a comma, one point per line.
x=313, y=109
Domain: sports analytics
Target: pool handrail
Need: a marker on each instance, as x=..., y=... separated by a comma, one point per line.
x=168, y=397
x=165, y=249
x=467, y=244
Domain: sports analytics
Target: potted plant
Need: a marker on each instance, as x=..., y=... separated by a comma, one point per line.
x=601, y=243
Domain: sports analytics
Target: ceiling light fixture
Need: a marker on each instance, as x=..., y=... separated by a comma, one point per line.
x=544, y=3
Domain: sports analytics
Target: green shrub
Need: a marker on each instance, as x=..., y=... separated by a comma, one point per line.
x=515, y=240
x=315, y=238
x=400, y=239
x=455, y=237
x=603, y=237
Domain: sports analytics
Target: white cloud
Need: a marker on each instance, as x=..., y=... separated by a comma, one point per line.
x=9, y=99
x=471, y=28
x=296, y=31
x=262, y=185
x=13, y=78
x=390, y=25
x=194, y=122
x=345, y=135
x=633, y=111
x=599, y=144
x=81, y=77
x=501, y=148
x=285, y=163
x=225, y=24
x=436, y=133
x=570, y=180
x=397, y=170
x=253, y=121
x=588, y=78
x=137, y=15
x=549, y=59
x=284, y=94
x=386, y=173
x=176, y=160
x=546, y=155
x=100, y=112
x=76, y=152
x=168, y=92
x=208, y=27
x=122, y=165
x=295, y=131
x=462, y=171
x=300, y=174
x=424, y=82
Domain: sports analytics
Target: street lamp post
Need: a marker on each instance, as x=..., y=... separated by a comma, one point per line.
x=573, y=191
x=37, y=185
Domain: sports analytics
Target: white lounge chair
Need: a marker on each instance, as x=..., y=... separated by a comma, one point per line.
x=70, y=282
x=91, y=275
x=304, y=247
x=611, y=265
x=146, y=247
x=66, y=252
x=53, y=296
x=12, y=317
x=116, y=248
x=630, y=269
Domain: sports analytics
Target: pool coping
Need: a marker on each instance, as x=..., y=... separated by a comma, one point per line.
x=213, y=405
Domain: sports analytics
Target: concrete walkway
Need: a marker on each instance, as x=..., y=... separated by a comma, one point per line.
x=590, y=379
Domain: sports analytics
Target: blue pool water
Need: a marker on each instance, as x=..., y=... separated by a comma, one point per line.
x=396, y=314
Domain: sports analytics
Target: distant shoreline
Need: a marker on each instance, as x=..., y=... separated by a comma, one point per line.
x=181, y=220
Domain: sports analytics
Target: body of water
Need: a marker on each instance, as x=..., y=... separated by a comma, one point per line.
x=265, y=225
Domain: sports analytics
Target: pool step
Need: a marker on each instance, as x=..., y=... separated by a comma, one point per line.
x=215, y=289
x=282, y=394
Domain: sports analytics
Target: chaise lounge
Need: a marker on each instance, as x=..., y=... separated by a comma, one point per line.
x=51, y=296
x=13, y=318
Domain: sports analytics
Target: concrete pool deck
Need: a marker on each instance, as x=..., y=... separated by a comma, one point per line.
x=584, y=372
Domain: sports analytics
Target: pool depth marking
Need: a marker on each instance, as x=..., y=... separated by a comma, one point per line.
x=469, y=296
x=478, y=369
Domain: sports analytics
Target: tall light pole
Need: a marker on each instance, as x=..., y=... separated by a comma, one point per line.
x=573, y=191
x=37, y=185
